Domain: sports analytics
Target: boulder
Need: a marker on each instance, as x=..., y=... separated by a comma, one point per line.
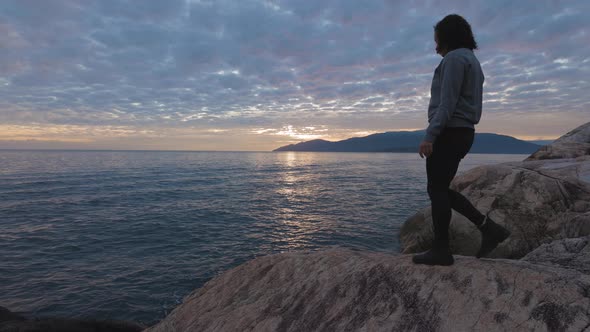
x=6, y=316
x=537, y=200
x=571, y=145
x=345, y=290
x=567, y=253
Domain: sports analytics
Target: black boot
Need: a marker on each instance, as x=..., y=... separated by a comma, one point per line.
x=491, y=235
x=440, y=254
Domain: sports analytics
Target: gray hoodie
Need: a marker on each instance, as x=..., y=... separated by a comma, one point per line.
x=455, y=94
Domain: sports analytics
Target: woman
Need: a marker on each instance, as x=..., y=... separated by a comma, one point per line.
x=454, y=109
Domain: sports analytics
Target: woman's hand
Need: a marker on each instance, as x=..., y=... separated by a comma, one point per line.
x=425, y=149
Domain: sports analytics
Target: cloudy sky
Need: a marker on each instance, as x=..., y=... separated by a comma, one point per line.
x=256, y=75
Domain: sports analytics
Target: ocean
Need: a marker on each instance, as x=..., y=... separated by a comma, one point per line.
x=127, y=234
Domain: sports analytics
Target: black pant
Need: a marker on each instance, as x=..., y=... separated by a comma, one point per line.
x=449, y=148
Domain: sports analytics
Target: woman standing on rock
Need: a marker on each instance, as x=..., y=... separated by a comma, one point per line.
x=453, y=112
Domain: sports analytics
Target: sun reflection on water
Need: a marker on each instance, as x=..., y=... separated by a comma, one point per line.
x=296, y=189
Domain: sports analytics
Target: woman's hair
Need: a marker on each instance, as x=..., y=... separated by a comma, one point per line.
x=454, y=32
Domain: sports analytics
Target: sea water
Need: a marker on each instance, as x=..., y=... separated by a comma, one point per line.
x=127, y=234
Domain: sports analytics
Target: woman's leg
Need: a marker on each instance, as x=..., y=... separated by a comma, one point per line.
x=449, y=148
x=440, y=168
x=462, y=205
x=464, y=141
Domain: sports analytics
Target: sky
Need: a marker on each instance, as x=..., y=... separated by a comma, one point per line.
x=256, y=75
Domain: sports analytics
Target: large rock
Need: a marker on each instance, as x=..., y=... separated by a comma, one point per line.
x=345, y=290
x=567, y=253
x=571, y=145
x=8, y=316
x=537, y=200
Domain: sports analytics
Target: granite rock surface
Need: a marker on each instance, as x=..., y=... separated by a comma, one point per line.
x=346, y=290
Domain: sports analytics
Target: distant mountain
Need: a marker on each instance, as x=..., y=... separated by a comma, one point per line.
x=409, y=141
x=542, y=141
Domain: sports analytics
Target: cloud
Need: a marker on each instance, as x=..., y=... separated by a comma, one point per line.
x=345, y=66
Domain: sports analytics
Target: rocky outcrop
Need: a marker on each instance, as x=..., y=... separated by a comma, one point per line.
x=571, y=145
x=12, y=322
x=566, y=253
x=346, y=290
x=8, y=316
x=537, y=200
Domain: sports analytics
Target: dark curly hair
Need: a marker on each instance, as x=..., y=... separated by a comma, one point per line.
x=454, y=32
